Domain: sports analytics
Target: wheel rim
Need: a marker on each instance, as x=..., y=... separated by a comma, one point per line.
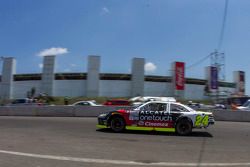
x=117, y=124
x=184, y=128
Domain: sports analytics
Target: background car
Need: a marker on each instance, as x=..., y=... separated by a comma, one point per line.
x=117, y=102
x=234, y=102
x=86, y=103
x=219, y=106
x=245, y=106
x=24, y=102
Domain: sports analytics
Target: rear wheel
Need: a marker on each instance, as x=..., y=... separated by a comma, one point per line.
x=183, y=127
x=117, y=124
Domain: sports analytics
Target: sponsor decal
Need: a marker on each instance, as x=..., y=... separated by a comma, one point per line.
x=154, y=116
x=156, y=124
x=214, y=78
x=153, y=124
x=133, y=115
x=179, y=75
x=140, y=123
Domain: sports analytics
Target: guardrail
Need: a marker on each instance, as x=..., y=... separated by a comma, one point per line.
x=93, y=111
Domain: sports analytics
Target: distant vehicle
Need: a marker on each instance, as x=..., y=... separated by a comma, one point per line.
x=117, y=102
x=158, y=116
x=199, y=105
x=245, y=106
x=219, y=106
x=23, y=101
x=234, y=102
x=194, y=105
x=86, y=103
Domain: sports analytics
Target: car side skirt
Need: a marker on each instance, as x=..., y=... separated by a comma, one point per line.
x=142, y=128
x=101, y=126
x=150, y=129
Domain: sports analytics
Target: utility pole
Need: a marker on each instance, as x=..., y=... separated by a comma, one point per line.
x=218, y=61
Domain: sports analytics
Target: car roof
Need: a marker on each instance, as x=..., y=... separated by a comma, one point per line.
x=163, y=102
x=82, y=102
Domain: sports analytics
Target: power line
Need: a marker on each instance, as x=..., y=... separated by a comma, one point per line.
x=223, y=25
x=220, y=39
x=198, y=62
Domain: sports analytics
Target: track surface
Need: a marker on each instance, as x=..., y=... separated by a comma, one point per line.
x=64, y=142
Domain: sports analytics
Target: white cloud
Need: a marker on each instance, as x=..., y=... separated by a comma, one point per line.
x=40, y=65
x=150, y=67
x=53, y=51
x=105, y=11
x=73, y=65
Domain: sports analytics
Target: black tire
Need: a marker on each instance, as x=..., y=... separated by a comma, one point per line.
x=183, y=127
x=117, y=124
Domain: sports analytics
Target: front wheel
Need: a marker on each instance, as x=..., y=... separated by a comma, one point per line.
x=183, y=127
x=117, y=124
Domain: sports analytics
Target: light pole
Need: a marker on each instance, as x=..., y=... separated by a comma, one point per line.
x=1, y=59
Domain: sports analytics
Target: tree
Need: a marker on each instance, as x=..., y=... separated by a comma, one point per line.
x=32, y=92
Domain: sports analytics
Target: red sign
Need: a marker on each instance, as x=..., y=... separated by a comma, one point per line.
x=242, y=82
x=179, y=75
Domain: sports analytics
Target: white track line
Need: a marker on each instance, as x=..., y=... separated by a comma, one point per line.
x=117, y=162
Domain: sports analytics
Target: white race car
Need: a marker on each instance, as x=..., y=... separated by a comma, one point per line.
x=158, y=116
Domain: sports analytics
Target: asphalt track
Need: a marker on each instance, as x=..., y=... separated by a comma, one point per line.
x=74, y=142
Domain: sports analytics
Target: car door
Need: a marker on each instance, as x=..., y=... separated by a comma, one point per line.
x=83, y=104
x=154, y=115
x=176, y=110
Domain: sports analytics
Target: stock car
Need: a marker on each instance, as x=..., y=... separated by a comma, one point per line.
x=157, y=116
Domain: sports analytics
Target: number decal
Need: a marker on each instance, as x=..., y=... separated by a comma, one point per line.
x=205, y=120
x=199, y=121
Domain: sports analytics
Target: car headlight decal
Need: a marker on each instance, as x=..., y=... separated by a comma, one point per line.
x=103, y=115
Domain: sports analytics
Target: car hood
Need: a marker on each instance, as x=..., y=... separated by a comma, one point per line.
x=242, y=108
x=204, y=112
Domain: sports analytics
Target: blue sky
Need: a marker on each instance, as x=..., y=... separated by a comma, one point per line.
x=162, y=31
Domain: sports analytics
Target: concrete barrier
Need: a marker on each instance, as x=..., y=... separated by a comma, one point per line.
x=56, y=111
x=93, y=111
x=18, y=111
x=229, y=115
x=90, y=111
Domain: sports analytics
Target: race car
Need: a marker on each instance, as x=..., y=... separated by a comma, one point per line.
x=157, y=116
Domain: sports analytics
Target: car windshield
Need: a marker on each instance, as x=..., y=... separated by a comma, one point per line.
x=186, y=107
x=246, y=104
x=93, y=102
x=181, y=105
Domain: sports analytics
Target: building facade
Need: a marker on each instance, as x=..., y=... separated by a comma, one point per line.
x=93, y=83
